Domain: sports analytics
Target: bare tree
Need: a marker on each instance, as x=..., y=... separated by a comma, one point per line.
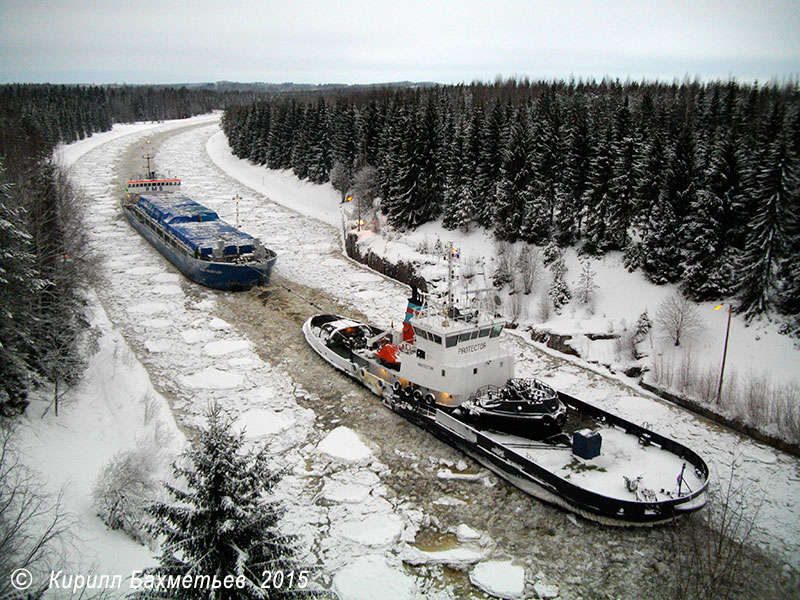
x=678, y=319
x=365, y=190
x=712, y=557
x=529, y=267
x=341, y=178
x=34, y=528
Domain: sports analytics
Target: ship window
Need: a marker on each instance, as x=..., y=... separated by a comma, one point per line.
x=420, y=353
x=442, y=372
x=422, y=333
x=452, y=340
x=496, y=330
x=437, y=339
x=484, y=332
x=474, y=335
x=464, y=337
x=475, y=371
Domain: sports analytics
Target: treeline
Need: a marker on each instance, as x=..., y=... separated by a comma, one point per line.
x=35, y=117
x=44, y=259
x=696, y=183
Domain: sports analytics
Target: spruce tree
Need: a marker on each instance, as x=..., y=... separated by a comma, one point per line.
x=770, y=229
x=515, y=189
x=223, y=522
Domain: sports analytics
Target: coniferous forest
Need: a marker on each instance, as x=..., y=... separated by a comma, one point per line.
x=697, y=183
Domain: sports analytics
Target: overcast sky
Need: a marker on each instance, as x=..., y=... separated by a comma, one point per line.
x=351, y=41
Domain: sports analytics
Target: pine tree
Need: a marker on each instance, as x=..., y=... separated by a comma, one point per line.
x=643, y=327
x=220, y=525
x=597, y=198
x=770, y=229
x=515, y=193
x=708, y=256
x=19, y=282
x=575, y=178
x=559, y=291
x=586, y=286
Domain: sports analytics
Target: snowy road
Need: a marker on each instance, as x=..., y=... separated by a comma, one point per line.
x=364, y=484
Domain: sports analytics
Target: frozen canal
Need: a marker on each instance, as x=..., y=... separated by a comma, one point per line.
x=381, y=506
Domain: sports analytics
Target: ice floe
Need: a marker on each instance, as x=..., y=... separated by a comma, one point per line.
x=343, y=443
x=213, y=379
x=371, y=577
x=223, y=347
x=499, y=578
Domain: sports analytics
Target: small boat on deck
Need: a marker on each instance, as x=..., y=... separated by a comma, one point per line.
x=203, y=247
x=447, y=372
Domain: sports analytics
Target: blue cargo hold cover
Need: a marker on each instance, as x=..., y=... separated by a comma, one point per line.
x=198, y=227
x=175, y=209
x=203, y=236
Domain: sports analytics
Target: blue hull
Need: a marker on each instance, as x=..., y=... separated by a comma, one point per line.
x=217, y=275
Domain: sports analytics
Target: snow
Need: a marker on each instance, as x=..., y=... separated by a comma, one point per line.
x=113, y=409
x=258, y=423
x=371, y=577
x=195, y=336
x=456, y=558
x=501, y=579
x=335, y=491
x=344, y=444
x=281, y=187
x=374, y=530
x=465, y=533
x=545, y=590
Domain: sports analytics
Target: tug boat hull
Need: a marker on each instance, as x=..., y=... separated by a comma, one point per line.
x=547, y=468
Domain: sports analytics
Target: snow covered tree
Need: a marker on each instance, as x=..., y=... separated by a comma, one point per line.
x=515, y=188
x=559, y=291
x=503, y=272
x=19, y=280
x=769, y=231
x=643, y=327
x=708, y=262
x=529, y=268
x=223, y=523
x=585, y=286
x=597, y=197
x=125, y=487
x=678, y=319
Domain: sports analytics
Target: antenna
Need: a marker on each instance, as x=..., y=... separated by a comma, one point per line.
x=236, y=199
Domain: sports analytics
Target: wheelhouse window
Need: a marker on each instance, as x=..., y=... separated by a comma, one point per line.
x=496, y=331
x=451, y=341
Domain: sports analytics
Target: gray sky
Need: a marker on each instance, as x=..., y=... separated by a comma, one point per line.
x=352, y=41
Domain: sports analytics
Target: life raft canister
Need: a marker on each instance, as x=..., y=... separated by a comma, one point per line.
x=388, y=353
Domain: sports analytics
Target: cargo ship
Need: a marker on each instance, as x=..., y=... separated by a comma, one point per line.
x=192, y=237
x=447, y=372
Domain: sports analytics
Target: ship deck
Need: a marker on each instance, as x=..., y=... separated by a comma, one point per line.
x=621, y=455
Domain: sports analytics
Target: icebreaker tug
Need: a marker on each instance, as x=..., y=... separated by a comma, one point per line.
x=447, y=371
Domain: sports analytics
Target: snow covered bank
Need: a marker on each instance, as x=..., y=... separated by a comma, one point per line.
x=113, y=409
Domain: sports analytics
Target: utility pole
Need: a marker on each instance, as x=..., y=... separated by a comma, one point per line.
x=724, y=352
